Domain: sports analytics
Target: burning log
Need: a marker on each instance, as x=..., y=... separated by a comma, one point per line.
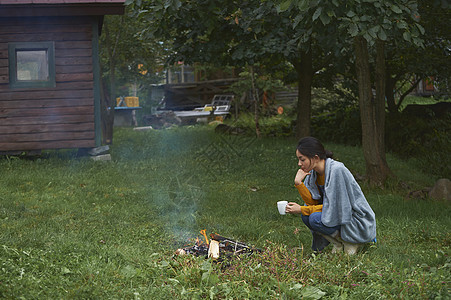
x=216, y=247
x=231, y=245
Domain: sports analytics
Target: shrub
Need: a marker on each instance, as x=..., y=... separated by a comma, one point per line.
x=336, y=118
x=341, y=126
x=425, y=138
x=277, y=125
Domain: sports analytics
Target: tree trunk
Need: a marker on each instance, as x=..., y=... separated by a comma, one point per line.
x=111, y=49
x=106, y=113
x=108, y=98
x=372, y=112
x=406, y=93
x=256, y=102
x=380, y=106
x=305, y=72
x=390, y=85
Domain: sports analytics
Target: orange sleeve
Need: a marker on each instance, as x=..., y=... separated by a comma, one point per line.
x=312, y=205
x=308, y=210
x=306, y=195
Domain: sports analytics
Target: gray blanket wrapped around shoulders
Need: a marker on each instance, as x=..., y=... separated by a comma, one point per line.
x=344, y=203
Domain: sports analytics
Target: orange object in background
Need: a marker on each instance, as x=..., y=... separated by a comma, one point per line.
x=140, y=68
x=280, y=110
x=127, y=101
x=429, y=84
x=131, y=101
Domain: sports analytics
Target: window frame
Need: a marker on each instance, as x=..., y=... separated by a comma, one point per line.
x=29, y=46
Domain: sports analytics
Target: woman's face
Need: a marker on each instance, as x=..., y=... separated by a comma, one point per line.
x=305, y=163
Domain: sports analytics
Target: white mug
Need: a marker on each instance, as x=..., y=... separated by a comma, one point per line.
x=282, y=205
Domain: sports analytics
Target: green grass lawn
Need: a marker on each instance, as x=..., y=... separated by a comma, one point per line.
x=76, y=228
x=411, y=99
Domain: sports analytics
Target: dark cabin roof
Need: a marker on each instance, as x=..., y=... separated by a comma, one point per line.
x=19, y=8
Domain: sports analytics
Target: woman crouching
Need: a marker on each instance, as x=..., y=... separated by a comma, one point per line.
x=335, y=209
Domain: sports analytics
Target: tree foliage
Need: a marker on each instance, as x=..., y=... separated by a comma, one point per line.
x=126, y=59
x=407, y=64
x=245, y=33
x=125, y=55
x=368, y=24
x=311, y=35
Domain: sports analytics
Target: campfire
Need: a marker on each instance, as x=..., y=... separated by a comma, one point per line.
x=218, y=247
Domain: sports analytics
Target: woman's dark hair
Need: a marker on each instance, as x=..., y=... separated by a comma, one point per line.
x=310, y=146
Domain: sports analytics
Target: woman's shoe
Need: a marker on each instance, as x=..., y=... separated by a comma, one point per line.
x=350, y=248
x=337, y=245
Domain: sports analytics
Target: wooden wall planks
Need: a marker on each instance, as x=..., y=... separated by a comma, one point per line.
x=50, y=118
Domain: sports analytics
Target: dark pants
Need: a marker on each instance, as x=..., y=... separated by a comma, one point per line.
x=316, y=226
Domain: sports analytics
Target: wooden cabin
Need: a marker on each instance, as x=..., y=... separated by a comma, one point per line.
x=49, y=73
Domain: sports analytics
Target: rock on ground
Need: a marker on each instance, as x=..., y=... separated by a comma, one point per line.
x=441, y=190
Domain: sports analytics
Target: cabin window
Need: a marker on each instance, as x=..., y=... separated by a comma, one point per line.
x=31, y=65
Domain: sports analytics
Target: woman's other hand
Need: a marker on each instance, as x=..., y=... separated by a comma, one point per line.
x=293, y=208
x=300, y=175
